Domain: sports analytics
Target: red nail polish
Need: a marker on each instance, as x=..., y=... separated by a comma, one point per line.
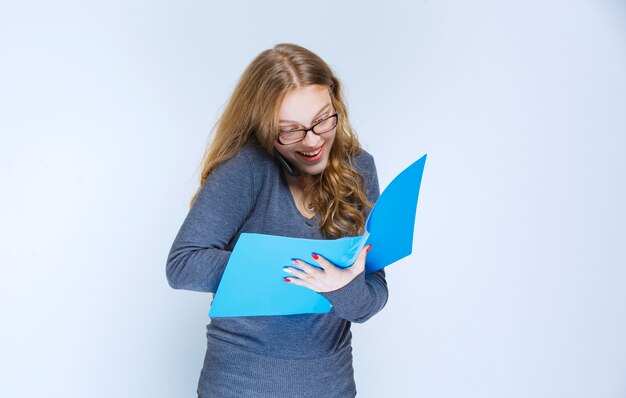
x=369, y=248
x=315, y=256
x=286, y=280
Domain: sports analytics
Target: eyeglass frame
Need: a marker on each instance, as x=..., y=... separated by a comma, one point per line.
x=306, y=131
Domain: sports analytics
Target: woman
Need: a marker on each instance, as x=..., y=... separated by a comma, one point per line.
x=284, y=161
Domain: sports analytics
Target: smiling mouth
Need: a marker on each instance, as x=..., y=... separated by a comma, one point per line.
x=312, y=155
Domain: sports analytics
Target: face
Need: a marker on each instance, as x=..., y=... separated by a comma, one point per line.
x=301, y=108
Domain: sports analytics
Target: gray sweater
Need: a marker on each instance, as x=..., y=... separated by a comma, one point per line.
x=268, y=355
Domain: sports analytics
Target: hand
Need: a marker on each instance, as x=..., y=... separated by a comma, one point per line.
x=330, y=277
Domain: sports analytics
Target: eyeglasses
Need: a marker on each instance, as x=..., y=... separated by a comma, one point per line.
x=296, y=135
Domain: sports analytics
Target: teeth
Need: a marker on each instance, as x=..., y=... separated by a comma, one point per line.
x=312, y=153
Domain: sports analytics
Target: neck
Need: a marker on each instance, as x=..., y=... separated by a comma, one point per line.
x=298, y=181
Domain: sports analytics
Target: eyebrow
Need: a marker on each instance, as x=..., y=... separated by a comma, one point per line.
x=318, y=113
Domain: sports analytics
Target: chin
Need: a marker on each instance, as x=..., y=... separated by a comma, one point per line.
x=315, y=172
x=315, y=169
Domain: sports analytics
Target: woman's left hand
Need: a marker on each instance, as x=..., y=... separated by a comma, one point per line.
x=330, y=277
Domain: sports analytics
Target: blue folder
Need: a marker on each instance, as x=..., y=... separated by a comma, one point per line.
x=252, y=281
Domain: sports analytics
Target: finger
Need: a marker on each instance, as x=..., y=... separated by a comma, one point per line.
x=362, y=254
x=322, y=261
x=296, y=281
x=296, y=272
x=360, y=262
x=309, y=269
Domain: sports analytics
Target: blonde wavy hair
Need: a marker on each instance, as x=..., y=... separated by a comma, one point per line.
x=252, y=113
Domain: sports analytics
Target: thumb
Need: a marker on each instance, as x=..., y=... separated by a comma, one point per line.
x=360, y=262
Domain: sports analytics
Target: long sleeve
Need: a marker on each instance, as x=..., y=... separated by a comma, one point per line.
x=197, y=258
x=365, y=295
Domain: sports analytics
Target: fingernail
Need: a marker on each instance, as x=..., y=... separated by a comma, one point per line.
x=369, y=248
x=294, y=262
x=315, y=256
x=286, y=269
x=286, y=280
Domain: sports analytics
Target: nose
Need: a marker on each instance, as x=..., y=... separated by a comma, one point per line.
x=311, y=139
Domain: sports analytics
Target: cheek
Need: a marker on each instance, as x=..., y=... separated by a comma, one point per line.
x=280, y=150
x=330, y=141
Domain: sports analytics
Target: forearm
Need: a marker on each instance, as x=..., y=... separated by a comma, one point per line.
x=198, y=256
x=361, y=298
x=196, y=269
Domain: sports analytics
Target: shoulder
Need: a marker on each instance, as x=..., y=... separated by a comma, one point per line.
x=251, y=166
x=251, y=159
x=256, y=154
x=364, y=164
x=240, y=176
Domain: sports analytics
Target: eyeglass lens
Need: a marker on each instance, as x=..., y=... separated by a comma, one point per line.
x=298, y=135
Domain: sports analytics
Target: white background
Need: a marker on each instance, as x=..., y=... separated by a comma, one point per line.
x=516, y=286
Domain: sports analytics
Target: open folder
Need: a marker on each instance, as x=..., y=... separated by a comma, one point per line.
x=252, y=283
